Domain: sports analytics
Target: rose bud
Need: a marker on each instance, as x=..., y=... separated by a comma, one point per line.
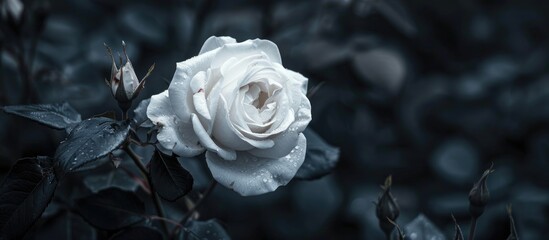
x=124, y=84
x=11, y=10
x=387, y=209
x=479, y=195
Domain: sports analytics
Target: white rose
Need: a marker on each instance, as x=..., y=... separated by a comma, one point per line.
x=237, y=102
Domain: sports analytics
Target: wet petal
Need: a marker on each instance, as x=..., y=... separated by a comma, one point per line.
x=247, y=48
x=173, y=134
x=249, y=175
x=180, y=88
x=214, y=42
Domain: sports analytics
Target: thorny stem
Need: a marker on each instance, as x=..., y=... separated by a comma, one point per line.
x=3, y=97
x=125, y=115
x=191, y=211
x=472, y=229
x=166, y=220
x=154, y=194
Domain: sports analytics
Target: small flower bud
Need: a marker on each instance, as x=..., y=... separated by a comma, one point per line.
x=479, y=195
x=11, y=9
x=124, y=84
x=387, y=209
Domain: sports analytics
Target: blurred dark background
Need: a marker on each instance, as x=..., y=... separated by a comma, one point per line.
x=429, y=91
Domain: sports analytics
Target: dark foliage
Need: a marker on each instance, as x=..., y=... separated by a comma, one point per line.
x=138, y=233
x=210, y=229
x=24, y=194
x=169, y=178
x=90, y=140
x=58, y=116
x=112, y=209
x=321, y=157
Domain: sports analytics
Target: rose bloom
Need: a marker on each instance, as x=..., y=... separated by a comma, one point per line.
x=239, y=104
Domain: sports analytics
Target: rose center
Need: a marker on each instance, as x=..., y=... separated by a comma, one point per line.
x=260, y=101
x=257, y=95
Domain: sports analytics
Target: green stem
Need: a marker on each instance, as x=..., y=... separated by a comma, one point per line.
x=191, y=211
x=473, y=228
x=154, y=194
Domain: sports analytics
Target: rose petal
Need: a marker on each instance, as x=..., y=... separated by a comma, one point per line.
x=298, y=79
x=249, y=175
x=247, y=48
x=284, y=141
x=228, y=135
x=180, y=89
x=208, y=142
x=130, y=80
x=173, y=135
x=214, y=42
x=201, y=105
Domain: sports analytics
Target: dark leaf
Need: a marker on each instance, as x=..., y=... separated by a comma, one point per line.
x=140, y=114
x=111, y=209
x=111, y=178
x=321, y=157
x=108, y=114
x=422, y=228
x=24, y=195
x=57, y=115
x=198, y=230
x=169, y=178
x=89, y=140
x=66, y=226
x=138, y=233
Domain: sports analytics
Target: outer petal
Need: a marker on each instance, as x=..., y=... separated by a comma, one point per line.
x=180, y=89
x=296, y=77
x=130, y=80
x=247, y=48
x=214, y=42
x=249, y=175
x=174, y=135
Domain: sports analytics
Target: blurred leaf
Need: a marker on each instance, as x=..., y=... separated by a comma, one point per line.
x=24, y=195
x=66, y=226
x=198, y=230
x=111, y=209
x=57, y=115
x=112, y=178
x=169, y=178
x=321, y=157
x=137, y=233
x=422, y=228
x=91, y=139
